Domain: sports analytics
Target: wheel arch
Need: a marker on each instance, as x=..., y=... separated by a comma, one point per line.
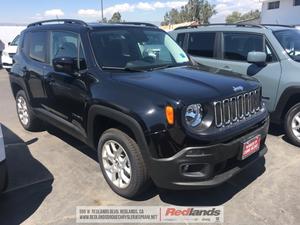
x=116, y=119
x=288, y=98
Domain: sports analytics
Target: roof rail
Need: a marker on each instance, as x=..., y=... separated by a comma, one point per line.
x=278, y=25
x=138, y=24
x=220, y=24
x=66, y=21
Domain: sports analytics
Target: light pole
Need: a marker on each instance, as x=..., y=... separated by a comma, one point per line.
x=102, y=16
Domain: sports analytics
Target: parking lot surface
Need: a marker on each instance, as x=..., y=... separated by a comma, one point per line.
x=51, y=173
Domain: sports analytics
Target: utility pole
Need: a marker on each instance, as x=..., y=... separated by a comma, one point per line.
x=102, y=16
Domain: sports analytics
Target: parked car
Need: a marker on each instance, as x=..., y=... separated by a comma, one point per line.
x=3, y=169
x=130, y=92
x=270, y=53
x=8, y=54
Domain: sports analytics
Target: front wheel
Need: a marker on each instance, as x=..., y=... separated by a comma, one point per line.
x=122, y=164
x=292, y=124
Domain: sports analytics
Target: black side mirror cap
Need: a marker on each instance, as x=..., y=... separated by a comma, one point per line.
x=65, y=65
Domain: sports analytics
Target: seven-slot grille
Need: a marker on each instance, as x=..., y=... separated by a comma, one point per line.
x=237, y=108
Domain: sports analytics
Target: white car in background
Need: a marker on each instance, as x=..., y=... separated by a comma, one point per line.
x=9, y=52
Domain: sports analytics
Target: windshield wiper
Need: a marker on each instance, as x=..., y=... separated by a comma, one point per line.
x=122, y=68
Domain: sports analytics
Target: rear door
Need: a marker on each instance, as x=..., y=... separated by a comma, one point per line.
x=35, y=50
x=235, y=48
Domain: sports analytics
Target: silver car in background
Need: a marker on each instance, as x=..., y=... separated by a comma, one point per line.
x=270, y=53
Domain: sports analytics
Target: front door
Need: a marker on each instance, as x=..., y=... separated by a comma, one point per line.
x=67, y=93
x=236, y=47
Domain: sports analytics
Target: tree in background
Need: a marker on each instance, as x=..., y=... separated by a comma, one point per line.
x=116, y=18
x=195, y=10
x=235, y=17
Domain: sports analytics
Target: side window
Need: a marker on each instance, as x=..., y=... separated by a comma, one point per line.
x=38, y=46
x=271, y=57
x=238, y=45
x=202, y=44
x=67, y=44
x=180, y=39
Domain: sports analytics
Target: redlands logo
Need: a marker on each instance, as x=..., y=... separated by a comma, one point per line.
x=192, y=212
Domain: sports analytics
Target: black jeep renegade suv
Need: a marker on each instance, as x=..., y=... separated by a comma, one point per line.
x=129, y=91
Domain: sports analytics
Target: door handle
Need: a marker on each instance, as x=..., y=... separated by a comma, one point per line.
x=227, y=68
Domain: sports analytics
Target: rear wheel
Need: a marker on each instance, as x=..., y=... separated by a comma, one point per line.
x=122, y=164
x=26, y=117
x=292, y=124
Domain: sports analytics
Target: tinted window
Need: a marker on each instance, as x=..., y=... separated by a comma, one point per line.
x=296, y=2
x=37, y=49
x=274, y=5
x=15, y=42
x=66, y=44
x=202, y=44
x=180, y=39
x=238, y=45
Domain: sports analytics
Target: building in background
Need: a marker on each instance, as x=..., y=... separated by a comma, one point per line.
x=173, y=26
x=280, y=12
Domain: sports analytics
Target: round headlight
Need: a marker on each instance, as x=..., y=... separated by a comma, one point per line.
x=194, y=115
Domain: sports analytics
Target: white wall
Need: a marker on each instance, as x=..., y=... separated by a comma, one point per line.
x=8, y=33
x=286, y=14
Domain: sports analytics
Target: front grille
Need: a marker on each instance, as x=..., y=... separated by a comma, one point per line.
x=237, y=108
x=11, y=55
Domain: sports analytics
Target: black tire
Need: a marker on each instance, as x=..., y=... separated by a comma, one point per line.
x=7, y=70
x=288, y=120
x=139, y=176
x=33, y=124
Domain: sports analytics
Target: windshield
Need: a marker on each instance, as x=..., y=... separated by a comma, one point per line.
x=290, y=41
x=136, y=49
x=15, y=42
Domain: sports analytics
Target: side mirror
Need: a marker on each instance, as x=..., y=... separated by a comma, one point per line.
x=9, y=43
x=65, y=65
x=258, y=58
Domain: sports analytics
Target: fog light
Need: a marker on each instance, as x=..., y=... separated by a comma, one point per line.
x=197, y=170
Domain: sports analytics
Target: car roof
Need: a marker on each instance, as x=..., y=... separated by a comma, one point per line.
x=78, y=24
x=234, y=27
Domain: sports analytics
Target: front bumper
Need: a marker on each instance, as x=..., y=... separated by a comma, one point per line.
x=211, y=165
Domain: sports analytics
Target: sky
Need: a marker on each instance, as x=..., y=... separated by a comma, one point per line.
x=27, y=11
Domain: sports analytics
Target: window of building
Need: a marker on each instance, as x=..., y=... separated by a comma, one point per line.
x=274, y=5
x=296, y=2
x=202, y=44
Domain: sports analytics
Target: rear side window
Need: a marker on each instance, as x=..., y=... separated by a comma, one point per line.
x=202, y=44
x=38, y=46
x=180, y=39
x=238, y=45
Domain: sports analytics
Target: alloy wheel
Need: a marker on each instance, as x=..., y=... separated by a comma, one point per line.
x=116, y=164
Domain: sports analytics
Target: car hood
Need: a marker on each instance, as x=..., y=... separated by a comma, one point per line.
x=190, y=83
